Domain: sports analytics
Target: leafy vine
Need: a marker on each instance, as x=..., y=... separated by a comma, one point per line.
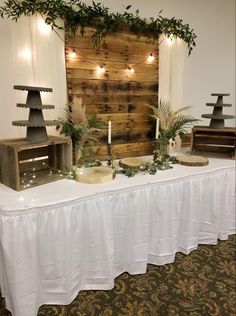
x=77, y=15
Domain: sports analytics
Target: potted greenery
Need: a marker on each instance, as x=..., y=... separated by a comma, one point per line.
x=172, y=123
x=83, y=129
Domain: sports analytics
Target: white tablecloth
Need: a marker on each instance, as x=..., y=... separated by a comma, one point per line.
x=63, y=237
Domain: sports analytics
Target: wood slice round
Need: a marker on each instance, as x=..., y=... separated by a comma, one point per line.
x=192, y=160
x=132, y=162
x=94, y=175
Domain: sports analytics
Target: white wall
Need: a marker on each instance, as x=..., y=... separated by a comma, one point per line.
x=46, y=68
x=210, y=68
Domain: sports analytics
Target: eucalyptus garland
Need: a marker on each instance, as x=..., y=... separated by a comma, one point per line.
x=77, y=15
x=151, y=168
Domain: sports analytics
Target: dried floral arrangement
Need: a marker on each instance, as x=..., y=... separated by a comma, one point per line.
x=172, y=122
x=82, y=128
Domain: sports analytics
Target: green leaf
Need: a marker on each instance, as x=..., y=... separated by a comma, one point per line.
x=78, y=15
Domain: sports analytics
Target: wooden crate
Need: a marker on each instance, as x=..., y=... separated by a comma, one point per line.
x=219, y=142
x=24, y=164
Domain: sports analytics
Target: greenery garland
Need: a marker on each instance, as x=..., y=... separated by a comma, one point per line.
x=78, y=15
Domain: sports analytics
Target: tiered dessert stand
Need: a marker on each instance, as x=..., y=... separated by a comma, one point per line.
x=36, y=125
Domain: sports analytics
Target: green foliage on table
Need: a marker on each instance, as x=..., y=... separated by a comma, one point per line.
x=149, y=168
x=78, y=15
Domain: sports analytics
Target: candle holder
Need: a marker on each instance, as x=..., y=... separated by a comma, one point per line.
x=160, y=150
x=110, y=156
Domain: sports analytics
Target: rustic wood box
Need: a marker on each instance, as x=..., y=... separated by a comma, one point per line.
x=218, y=141
x=25, y=164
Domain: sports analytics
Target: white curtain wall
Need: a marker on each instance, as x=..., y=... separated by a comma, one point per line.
x=35, y=56
x=172, y=54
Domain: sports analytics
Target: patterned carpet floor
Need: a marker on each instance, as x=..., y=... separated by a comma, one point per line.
x=199, y=284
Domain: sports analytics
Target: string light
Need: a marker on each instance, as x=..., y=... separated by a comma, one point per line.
x=101, y=70
x=46, y=29
x=150, y=58
x=29, y=179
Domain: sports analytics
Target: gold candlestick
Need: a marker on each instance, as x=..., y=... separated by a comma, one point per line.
x=156, y=151
x=110, y=156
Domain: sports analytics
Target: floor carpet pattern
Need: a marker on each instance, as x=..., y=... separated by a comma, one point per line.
x=202, y=283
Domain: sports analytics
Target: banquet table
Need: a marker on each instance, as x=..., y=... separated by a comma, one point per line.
x=63, y=237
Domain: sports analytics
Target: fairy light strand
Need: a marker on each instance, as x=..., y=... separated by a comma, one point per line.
x=101, y=68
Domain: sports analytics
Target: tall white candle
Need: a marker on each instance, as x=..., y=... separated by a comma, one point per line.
x=109, y=132
x=157, y=127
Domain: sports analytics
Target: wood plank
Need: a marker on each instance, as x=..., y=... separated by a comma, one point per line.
x=130, y=136
x=98, y=87
x=123, y=150
x=123, y=101
x=129, y=125
x=125, y=35
x=123, y=117
x=106, y=108
x=32, y=166
x=9, y=166
x=105, y=55
x=32, y=153
x=113, y=74
x=112, y=66
x=121, y=44
x=119, y=155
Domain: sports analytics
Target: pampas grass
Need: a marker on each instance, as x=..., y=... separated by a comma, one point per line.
x=172, y=123
x=82, y=128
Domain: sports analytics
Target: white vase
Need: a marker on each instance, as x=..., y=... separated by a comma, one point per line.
x=174, y=146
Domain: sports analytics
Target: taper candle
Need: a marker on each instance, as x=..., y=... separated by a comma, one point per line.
x=109, y=132
x=157, y=127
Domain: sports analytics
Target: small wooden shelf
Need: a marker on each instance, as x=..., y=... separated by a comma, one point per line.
x=214, y=140
x=24, y=164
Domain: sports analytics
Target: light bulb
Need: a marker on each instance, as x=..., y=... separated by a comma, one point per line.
x=44, y=27
x=27, y=54
x=170, y=39
x=130, y=70
x=101, y=69
x=72, y=54
x=150, y=58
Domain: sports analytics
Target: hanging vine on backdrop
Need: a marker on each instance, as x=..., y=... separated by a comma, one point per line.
x=77, y=15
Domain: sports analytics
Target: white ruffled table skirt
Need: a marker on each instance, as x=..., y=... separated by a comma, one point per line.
x=63, y=237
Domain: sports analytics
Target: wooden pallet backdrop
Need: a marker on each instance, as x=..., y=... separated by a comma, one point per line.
x=115, y=95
